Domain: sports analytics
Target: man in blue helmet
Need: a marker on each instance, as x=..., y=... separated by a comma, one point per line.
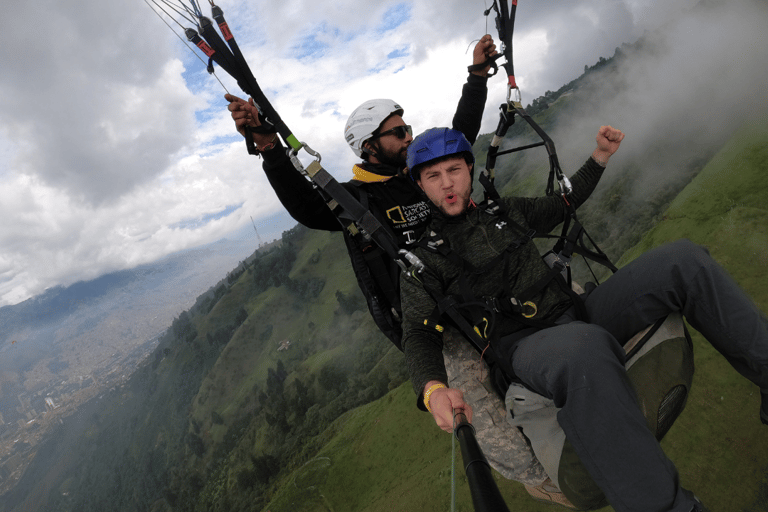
x=579, y=364
x=376, y=132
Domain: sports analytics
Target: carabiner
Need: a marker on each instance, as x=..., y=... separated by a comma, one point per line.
x=519, y=97
x=416, y=265
x=294, y=158
x=311, y=151
x=565, y=185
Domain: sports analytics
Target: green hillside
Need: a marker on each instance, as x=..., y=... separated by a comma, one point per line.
x=719, y=445
x=388, y=456
x=218, y=412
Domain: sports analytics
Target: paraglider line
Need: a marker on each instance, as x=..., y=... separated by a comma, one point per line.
x=181, y=38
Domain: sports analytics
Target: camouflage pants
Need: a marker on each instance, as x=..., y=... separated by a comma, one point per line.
x=504, y=446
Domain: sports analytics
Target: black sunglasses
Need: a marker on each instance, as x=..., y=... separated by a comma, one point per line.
x=397, y=131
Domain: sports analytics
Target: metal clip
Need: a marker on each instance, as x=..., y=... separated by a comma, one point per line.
x=416, y=265
x=518, y=103
x=311, y=151
x=432, y=244
x=294, y=158
x=493, y=303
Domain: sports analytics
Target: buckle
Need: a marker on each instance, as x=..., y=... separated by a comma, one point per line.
x=521, y=308
x=493, y=303
x=530, y=305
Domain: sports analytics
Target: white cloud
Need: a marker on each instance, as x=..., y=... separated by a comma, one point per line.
x=112, y=133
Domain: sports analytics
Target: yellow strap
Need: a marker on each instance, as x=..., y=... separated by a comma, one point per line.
x=438, y=327
x=531, y=305
x=367, y=176
x=484, y=333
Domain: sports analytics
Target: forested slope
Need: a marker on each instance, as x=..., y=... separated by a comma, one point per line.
x=387, y=456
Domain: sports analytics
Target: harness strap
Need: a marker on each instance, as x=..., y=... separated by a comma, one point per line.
x=491, y=61
x=382, y=274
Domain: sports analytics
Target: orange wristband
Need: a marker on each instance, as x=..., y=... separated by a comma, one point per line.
x=269, y=145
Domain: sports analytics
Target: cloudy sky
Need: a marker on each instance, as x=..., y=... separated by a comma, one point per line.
x=116, y=147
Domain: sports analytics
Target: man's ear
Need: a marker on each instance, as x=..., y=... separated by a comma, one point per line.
x=369, y=148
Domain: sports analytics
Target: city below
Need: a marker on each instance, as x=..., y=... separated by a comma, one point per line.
x=38, y=401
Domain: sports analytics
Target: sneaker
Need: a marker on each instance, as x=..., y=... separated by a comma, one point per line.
x=547, y=492
x=697, y=506
x=764, y=407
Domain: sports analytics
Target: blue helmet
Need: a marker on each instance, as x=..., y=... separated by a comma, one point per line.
x=435, y=144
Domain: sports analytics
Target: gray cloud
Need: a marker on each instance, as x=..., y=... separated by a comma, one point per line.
x=679, y=100
x=112, y=133
x=77, y=97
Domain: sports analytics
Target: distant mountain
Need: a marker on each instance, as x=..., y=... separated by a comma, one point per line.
x=72, y=343
x=118, y=302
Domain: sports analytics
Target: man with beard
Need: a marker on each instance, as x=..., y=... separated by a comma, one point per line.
x=377, y=133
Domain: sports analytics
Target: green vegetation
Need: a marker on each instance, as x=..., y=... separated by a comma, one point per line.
x=219, y=418
x=718, y=445
x=387, y=456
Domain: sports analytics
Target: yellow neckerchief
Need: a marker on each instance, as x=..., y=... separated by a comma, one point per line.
x=367, y=176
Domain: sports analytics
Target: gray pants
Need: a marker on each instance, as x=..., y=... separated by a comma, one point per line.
x=581, y=366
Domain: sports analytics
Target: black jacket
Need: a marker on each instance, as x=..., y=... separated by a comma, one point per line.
x=397, y=203
x=305, y=205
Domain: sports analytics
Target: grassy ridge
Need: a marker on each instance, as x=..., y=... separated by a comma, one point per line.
x=388, y=456
x=719, y=445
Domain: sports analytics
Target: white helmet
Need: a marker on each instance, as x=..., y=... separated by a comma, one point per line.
x=366, y=119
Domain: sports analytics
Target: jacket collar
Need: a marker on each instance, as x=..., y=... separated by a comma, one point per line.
x=372, y=173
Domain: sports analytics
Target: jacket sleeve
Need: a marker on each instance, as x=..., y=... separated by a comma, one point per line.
x=296, y=193
x=469, y=112
x=422, y=345
x=544, y=213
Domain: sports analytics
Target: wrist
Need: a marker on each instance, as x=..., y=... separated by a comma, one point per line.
x=430, y=388
x=267, y=145
x=601, y=157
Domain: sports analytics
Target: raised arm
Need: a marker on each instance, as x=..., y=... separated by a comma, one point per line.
x=469, y=111
x=544, y=213
x=294, y=191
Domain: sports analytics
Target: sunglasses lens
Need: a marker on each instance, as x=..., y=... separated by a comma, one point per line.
x=397, y=131
x=402, y=131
